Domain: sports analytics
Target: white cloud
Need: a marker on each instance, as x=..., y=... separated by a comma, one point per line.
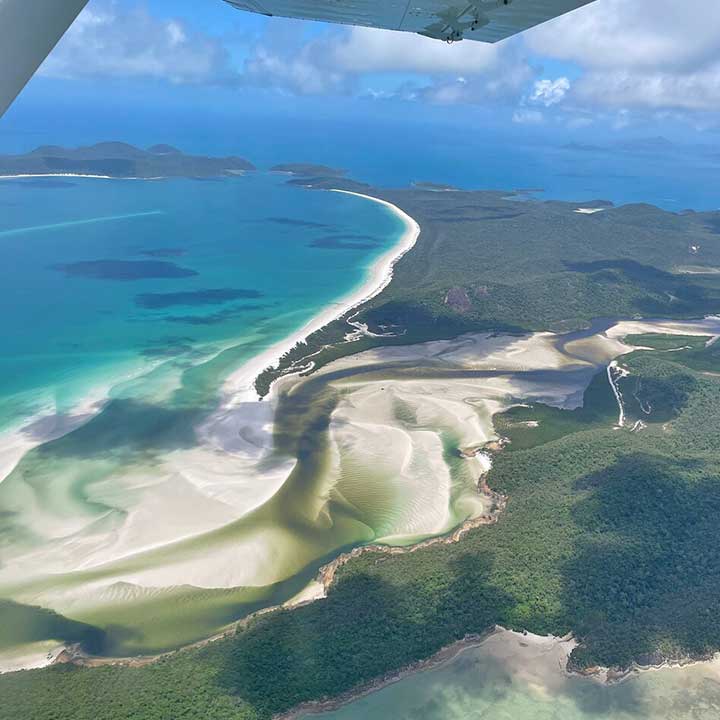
x=337, y=60
x=689, y=91
x=631, y=54
x=110, y=40
x=549, y=92
x=642, y=34
x=284, y=58
x=522, y=116
x=640, y=53
x=302, y=73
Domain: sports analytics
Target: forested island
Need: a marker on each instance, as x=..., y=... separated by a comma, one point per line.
x=120, y=160
x=308, y=170
x=606, y=532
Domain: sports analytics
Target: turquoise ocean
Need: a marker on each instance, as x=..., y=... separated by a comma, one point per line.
x=114, y=287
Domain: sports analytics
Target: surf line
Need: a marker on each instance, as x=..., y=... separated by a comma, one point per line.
x=75, y=223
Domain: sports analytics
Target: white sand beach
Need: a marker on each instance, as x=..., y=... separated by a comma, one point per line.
x=240, y=386
x=73, y=175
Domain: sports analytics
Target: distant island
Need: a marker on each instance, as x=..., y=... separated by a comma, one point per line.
x=120, y=160
x=308, y=170
x=437, y=187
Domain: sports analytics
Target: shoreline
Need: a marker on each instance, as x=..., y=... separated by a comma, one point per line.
x=25, y=176
x=240, y=385
x=446, y=654
x=614, y=676
x=604, y=676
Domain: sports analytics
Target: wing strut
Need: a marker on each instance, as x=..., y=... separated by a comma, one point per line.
x=29, y=30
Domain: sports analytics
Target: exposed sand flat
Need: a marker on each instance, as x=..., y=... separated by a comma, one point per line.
x=409, y=488
x=597, y=349
x=231, y=512
x=30, y=656
x=473, y=352
x=706, y=326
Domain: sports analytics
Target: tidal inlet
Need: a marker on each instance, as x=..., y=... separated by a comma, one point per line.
x=161, y=525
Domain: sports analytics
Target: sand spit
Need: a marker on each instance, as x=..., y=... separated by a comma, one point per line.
x=705, y=326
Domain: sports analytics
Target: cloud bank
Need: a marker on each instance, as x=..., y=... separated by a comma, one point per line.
x=109, y=40
x=639, y=53
x=622, y=55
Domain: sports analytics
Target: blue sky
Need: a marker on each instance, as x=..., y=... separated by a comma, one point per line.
x=614, y=68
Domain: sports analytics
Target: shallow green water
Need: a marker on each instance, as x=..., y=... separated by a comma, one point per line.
x=502, y=680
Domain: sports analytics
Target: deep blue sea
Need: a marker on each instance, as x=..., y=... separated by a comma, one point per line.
x=118, y=286
x=397, y=144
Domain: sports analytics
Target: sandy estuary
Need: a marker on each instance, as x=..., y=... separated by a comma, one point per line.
x=161, y=524
x=383, y=447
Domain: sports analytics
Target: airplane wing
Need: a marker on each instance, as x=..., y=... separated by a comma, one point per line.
x=29, y=30
x=450, y=20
